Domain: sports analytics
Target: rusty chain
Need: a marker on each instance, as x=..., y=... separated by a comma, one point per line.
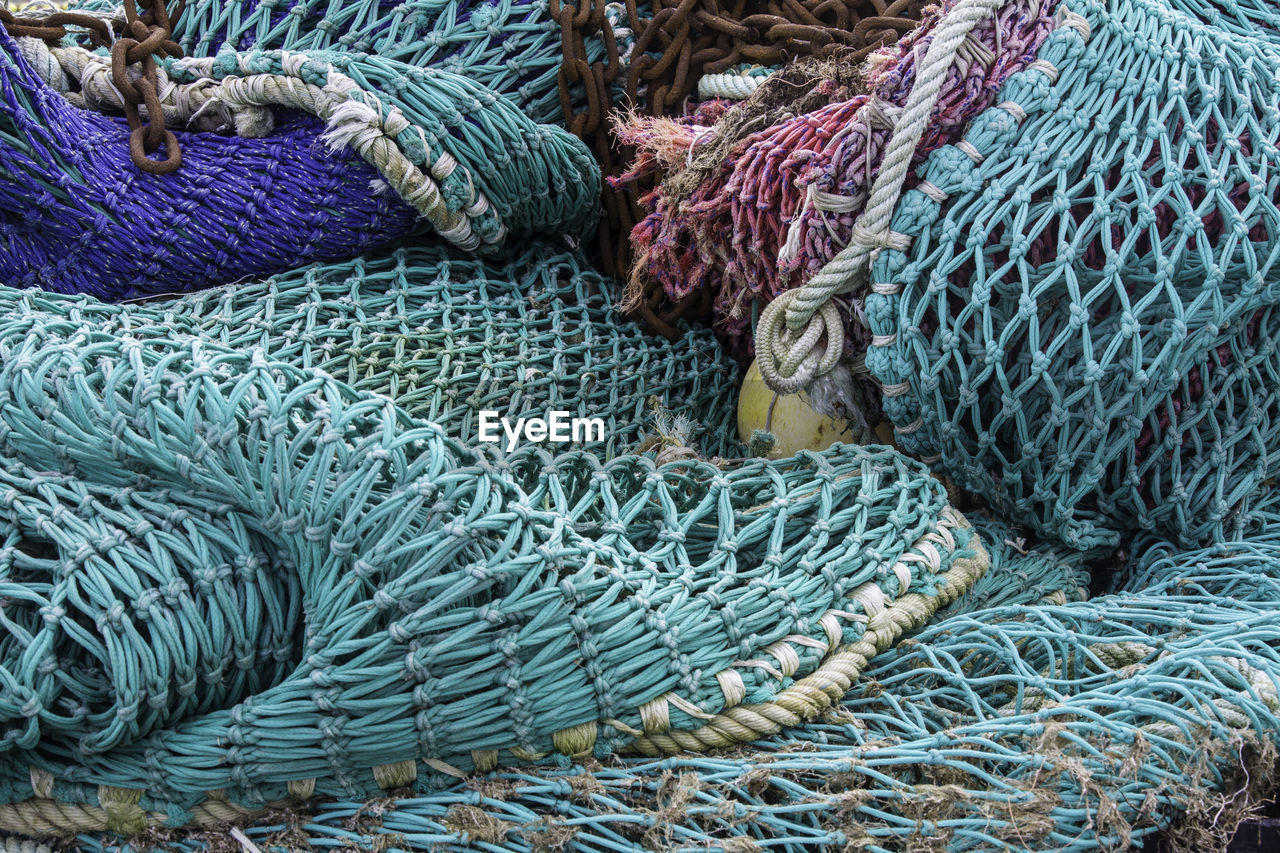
x=135, y=43
x=677, y=43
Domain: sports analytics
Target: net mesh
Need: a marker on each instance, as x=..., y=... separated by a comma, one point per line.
x=226, y=570
x=243, y=556
x=1037, y=724
x=1083, y=326
x=511, y=48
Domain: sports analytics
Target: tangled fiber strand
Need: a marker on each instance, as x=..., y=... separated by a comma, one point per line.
x=227, y=572
x=1040, y=725
x=683, y=42
x=785, y=175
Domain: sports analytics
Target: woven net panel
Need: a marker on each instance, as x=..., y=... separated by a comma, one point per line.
x=513, y=48
x=675, y=45
x=445, y=335
x=1083, y=328
x=1041, y=726
x=409, y=607
x=331, y=155
x=1023, y=571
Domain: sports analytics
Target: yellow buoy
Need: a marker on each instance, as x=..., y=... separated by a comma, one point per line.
x=793, y=421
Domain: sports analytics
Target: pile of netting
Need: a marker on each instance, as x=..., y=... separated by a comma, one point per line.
x=1038, y=239
x=765, y=192
x=446, y=336
x=1024, y=718
x=300, y=561
x=230, y=577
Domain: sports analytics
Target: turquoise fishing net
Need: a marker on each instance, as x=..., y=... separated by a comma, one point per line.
x=1078, y=316
x=446, y=336
x=512, y=48
x=228, y=570
x=1038, y=725
x=248, y=548
x=1023, y=571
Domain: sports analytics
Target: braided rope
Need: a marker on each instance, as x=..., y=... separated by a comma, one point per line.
x=196, y=105
x=737, y=85
x=356, y=118
x=789, y=359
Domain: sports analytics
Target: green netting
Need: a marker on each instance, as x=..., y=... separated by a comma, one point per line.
x=1086, y=324
x=227, y=571
x=1072, y=309
x=446, y=336
x=1034, y=726
x=513, y=48
x=1022, y=572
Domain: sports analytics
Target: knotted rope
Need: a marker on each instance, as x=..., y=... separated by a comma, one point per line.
x=793, y=325
x=144, y=37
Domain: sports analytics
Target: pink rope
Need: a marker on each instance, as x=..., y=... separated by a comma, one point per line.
x=729, y=233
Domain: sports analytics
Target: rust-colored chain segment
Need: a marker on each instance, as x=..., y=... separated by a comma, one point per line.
x=578, y=26
x=675, y=45
x=142, y=37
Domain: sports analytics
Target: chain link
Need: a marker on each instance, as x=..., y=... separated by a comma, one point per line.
x=135, y=43
x=675, y=45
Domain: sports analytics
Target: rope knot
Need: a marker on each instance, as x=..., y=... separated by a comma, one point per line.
x=789, y=357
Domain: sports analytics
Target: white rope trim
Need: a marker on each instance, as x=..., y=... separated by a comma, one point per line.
x=355, y=119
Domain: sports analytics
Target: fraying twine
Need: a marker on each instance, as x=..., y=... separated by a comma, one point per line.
x=793, y=325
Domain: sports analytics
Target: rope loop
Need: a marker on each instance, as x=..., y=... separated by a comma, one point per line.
x=789, y=358
x=850, y=269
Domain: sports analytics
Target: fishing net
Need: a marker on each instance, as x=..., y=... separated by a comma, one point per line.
x=252, y=554
x=1071, y=310
x=1023, y=571
x=768, y=191
x=225, y=570
x=1038, y=725
x=446, y=336
x=289, y=158
x=513, y=49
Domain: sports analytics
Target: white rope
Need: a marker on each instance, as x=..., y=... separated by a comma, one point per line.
x=355, y=119
x=788, y=358
x=730, y=86
x=12, y=844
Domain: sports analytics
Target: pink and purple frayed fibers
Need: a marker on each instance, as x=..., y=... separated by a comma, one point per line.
x=784, y=200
